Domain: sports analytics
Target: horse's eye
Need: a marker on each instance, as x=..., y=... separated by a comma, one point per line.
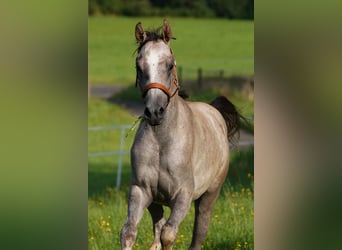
x=171, y=65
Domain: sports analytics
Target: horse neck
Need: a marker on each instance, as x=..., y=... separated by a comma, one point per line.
x=171, y=120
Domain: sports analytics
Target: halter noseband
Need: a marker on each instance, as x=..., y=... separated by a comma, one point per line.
x=162, y=87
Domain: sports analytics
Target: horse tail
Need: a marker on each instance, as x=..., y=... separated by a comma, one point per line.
x=230, y=115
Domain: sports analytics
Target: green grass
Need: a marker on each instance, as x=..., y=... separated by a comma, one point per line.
x=233, y=217
x=232, y=220
x=212, y=44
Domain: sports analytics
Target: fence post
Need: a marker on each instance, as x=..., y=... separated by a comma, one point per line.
x=122, y=140
x=221, y=72
x=199, y=78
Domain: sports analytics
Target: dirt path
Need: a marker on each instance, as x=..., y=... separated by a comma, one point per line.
x=106, y=91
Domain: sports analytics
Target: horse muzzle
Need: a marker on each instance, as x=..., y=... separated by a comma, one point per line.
x=154, y=116
x=156, y=103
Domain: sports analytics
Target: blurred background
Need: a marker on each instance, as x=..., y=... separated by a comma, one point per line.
x=45, y=115
x=214, y=50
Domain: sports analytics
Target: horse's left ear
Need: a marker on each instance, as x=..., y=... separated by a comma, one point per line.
x=167, y=33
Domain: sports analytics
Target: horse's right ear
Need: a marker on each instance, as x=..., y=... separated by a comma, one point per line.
x=140, y=35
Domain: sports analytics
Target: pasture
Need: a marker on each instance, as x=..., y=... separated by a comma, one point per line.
x=212, y=44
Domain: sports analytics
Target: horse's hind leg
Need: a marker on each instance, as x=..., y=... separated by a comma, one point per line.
x=138, y=201
x=157, y=214
x=203, y=210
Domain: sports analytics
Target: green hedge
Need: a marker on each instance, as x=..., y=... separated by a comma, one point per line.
x=233, y=9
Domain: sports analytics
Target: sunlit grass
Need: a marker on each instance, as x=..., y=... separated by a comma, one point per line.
x=210, y=44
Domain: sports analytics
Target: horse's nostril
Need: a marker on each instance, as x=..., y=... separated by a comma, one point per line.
x=161, y=110
x=147, y=112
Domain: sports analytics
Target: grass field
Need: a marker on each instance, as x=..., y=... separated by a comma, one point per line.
x=212, y=44
x=232, y=222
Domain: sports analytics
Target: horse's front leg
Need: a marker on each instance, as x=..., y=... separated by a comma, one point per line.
x=158, y=219
x=138, y=201
x=179, y=208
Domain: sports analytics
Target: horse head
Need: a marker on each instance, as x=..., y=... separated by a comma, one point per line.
x=156, y=71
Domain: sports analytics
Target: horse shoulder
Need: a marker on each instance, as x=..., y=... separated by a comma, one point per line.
x=144, y=157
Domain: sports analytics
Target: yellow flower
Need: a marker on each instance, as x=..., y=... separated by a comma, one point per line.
x=103, y=222
x=108, y=229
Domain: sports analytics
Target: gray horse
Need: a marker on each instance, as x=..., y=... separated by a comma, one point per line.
x=180, y=153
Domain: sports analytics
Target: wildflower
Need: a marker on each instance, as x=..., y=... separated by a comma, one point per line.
x=108, y=229
x=233, y=204
x=103, y=223
x=238, y=245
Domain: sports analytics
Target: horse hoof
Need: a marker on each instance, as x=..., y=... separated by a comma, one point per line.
x=156, y=246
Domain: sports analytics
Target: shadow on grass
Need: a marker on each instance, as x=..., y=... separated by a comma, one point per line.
x=131, y=93
x=241, y=169
x=102, y=176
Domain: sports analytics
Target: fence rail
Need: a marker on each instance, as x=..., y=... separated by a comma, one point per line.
x=121, y=151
